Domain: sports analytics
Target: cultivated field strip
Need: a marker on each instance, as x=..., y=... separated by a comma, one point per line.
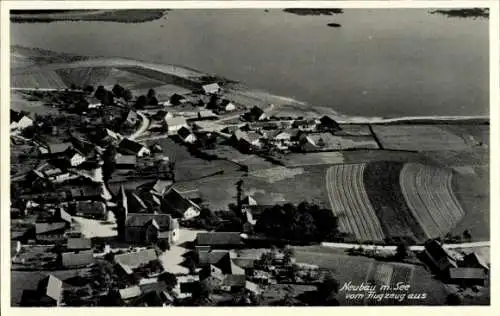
x=38, y=79
x=429, y=195
x=350, y=203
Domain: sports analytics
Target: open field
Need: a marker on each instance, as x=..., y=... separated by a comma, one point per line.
x=275, y=174
x=350, y=203
x=381, y=180
x=349, y=142
x=429, y=195
x=451, y=158
x=418, y=137
x=38, y=79
x=163, y=92
x=253, y=162
x=188, y=167
x=319, y=158
x=354, y=130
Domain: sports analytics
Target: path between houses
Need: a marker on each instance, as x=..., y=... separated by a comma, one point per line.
x=144, y=126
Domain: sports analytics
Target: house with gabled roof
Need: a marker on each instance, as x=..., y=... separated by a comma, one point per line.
x=474, y=260
x=50, y=232
x=327, y=124
x=175, y=123
x=128, y=262
x=59, y=148
x=160, y=187
x=125, y=161
x=130, y=147
x=175, y=203
x=151, y=228
x=77, y=244
x=19, y=120
x=468, y=276
x=441, y=259
x=77, y=259
x=132, y=118
x=255, y=114
x=186, y=135
x=89, y=209
x=211, y=88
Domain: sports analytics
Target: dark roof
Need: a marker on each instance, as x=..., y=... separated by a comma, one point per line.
x=161, y=186
x=77, y=259
x=435, y=249
x=467, y=273
x=132, y=260
x=135, y=204
x=175, y=202
x=130, y=145
x=79, y=243
x=244, y=263
x=328, y=121
x=42, y=228
x=473, y=260
x=164, y=221
x=157, y=286
x=234, y=280
x=211, y=256
x=15, y=116
x=219, y=239
x=51, y=286
x=90, y=207
x=59, y=148
x=184, y=132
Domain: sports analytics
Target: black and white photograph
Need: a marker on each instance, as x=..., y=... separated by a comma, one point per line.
x=265, y=156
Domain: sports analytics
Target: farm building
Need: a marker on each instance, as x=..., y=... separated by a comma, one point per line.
x=125, y=161
x=248, y=200
x=89, y=209
x=468, y=276
x=76, y=160
x=77, y=259
x=175, y=123
x=48, y=293
x=186, y=135
x=60, y=148
x=255, y=114
x=311, y=142
x=175, y=203
x=50, y=232
x=220, y=240
x=220, y=259
x=327, y=124
x=130, y=293
x=127, y=146
x=440, y=258
x=246, y=140
x=147, y=228
x=212, y=88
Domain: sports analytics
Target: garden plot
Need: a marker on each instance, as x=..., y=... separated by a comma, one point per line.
x=309, y=159
x=275, y=174
x=350, y=202
x=429, y=195
x=418, y=138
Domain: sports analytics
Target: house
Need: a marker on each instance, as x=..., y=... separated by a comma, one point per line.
x=438, y=256
x=310, y=143
x=132, y=118
x=474, y=260
x=186, y=135
x=307, y=125
x=233, y=282
x=128, y=146
x=327, y=124
x=130, y=293
x=77, y=259
x=76, y=160
x=177, y=99
x=48, y=293
x=175, y=123
x=212, y=88
x=255, y=114
x=245, y=141
x=50, y=232
x=220, y=240
x=19, y=120
x=220, y=259
x=77, y=244
x=174, y=203
x=468, y=276
x=253, y=212
x=61, y=215
x=89, y=209
x=147, y=228
x=228, y=106
x=248, y=200
x=160, y=187
x=59, y=149
x=128, y=262
x=125, y=161
x=253, y=288
x=86, y=193
x=206, y=115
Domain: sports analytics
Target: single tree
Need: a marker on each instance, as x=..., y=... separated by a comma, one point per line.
x=118, y=90
x=151, y=93
x=288, y=255
x=169, y=279
x=402, y=251
x=99, y=93
x=127, y=95
x=141, y=102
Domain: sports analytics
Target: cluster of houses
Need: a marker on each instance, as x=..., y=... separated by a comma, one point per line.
x=260, y=134
x=19, y=121
x=468, y=270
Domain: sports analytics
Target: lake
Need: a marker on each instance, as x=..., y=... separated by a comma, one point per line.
x=399, y=62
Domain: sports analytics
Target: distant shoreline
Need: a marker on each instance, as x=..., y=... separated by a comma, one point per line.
x=120, y=16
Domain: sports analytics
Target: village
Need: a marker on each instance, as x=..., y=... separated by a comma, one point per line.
x=94, y=194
